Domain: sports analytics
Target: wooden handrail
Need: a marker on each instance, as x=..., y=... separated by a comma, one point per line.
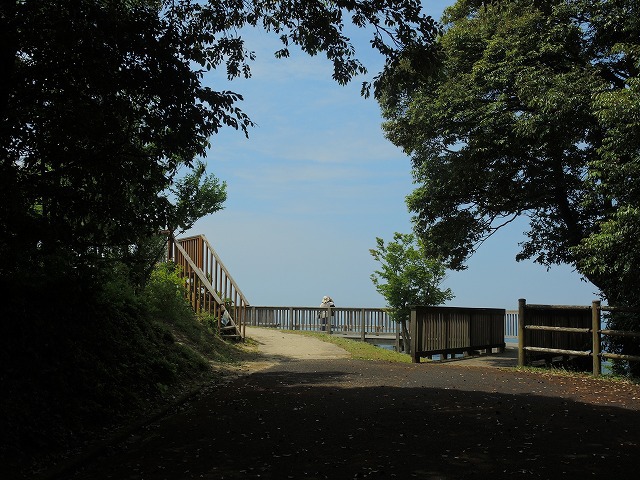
x=337, y=320
x=224, y=269
x=208, y=281
x=210, y=263
x=199, y=273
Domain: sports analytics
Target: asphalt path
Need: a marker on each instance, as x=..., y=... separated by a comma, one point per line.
x=305, y=410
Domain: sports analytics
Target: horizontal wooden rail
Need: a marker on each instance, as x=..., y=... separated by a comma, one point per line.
x=620, y=333
x=546, y=328
x=620, y=356
x=580, y=329
x=558, y=307
x=606, y=308
x=559, y=351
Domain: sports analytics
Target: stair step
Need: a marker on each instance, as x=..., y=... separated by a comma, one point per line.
x=232, y=337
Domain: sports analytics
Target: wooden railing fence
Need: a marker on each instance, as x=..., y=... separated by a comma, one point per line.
x=450, y=330
x=567, y=331
x=345, y=320
x=511, y=325
x=208, y=282
x=597, y=335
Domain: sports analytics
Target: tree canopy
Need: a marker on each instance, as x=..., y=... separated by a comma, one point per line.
x=104, y=110
x=531, y=109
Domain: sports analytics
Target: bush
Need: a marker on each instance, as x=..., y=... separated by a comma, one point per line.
x=164, y=294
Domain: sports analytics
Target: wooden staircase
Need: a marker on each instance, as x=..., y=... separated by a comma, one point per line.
x=208, y=283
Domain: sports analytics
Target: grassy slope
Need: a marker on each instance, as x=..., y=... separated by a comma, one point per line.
x=70, y=384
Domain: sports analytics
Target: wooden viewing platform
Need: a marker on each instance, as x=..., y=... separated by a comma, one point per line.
x=371, y=325
x=374, y=326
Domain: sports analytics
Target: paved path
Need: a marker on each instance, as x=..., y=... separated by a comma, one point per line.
x=281, y=345
x=310, y=412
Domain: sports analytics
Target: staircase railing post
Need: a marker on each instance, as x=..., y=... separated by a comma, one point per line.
x=170, y=241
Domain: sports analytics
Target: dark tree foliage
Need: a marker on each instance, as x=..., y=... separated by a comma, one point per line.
x=531, y=110
x=100, y=110
x=510, y=123
x=103, y=106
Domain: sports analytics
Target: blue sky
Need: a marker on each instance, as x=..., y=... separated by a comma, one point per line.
x=317, y=182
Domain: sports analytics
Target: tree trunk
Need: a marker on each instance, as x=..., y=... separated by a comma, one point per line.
x=406, y=340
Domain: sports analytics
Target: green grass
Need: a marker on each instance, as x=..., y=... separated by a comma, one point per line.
x=358, y=350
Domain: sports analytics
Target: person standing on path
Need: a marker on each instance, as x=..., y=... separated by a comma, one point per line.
x=226, y=318
x=326, y=312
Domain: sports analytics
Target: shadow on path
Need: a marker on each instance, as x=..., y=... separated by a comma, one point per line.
x=348, y=419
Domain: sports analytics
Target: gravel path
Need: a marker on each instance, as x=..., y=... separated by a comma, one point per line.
x=309, y=412
x=278, y=345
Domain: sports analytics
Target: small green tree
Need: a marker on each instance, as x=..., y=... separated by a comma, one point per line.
x=408, y=276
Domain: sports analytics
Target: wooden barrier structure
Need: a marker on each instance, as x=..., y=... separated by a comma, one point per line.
x=372, y=325
x=453, y=330
x=551, y=331
x=208, y=283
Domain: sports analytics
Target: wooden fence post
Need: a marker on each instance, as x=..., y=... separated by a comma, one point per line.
x=413, y=334
x=363, y=333
x=522, y=304
x=596, y=337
